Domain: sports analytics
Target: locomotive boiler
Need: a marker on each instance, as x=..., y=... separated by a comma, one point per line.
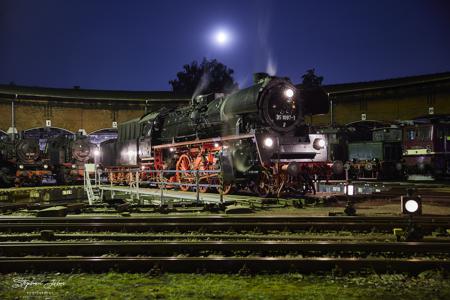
x=256, y=137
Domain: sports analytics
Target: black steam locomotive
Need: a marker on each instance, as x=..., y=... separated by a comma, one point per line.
x=33, y=159
x=22, y=162
x=256, y=137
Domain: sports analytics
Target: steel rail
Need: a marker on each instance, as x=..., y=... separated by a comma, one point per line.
x=217, y=226
x=225, y=247
x=230, y=219
x=215, y=237
x=217, y=264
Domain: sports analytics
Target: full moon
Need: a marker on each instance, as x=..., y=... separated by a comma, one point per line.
x=222, y=37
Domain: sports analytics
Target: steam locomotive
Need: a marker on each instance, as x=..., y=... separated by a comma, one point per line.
x=67, y=156
x=255, y=137
x=32, y=161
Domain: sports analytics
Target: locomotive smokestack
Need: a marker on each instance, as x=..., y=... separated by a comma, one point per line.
x=257, y=77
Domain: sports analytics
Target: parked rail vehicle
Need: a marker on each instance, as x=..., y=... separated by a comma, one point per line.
x=337, y=150
x=68, y=155
x=379, y=158
x=426, y=148
x=23, y=163
x=364, y=150
x=256, y=137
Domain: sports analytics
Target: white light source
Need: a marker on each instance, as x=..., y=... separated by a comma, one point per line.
x=411, y=206
x=349, y=190
x=222, y=37
x=96, y=152
x=74, y=166
x=20, y=166
x=289, y=93
x=216, y=145
x=319, y=143
x=45, y=166
x=171, y=149
x=268, y=142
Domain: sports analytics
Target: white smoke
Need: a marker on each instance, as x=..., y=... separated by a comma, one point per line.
x=204, y=81
x=271, y=67
x=264, y=22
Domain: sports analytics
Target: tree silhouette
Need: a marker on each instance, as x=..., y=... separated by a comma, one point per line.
x=310, y=79
x=315, y=100
x=210, y=76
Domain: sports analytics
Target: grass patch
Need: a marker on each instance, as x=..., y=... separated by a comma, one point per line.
x=428, y=285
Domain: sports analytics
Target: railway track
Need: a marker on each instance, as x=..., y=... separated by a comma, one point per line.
x=229, y=255
x=221, y=224
x=217, y=264
x=224, y=247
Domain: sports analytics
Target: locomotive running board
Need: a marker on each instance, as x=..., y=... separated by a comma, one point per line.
x=210, y=140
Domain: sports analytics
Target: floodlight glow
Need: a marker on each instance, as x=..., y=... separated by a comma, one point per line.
x=411, y=206
x=268, y=142
x=289, y=93
x=96, y=152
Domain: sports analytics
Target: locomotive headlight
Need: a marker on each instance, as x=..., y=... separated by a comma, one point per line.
x=74, y=166
x=45, y=166
x=289, y=93
x=21, y=167
x=319, y=144
x=268, y=142
x=96, y=152
x=216, y=145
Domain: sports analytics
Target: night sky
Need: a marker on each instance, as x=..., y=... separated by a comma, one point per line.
x=141, y=45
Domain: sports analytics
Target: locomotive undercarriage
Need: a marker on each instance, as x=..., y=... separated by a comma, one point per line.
x=224, y=164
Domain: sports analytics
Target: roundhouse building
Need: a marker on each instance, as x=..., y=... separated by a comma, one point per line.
x=24, y=108
x=389, y=100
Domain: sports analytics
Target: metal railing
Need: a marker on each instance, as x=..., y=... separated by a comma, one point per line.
x=133, y=177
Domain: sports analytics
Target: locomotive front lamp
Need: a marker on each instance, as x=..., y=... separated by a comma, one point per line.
x=45, y=166
x=171, y=149
x=216, y=145
x=319, y=144
x=21, y=167
x=289, y=93
x=268, y=142
x=96, y=152
x=74, y=166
